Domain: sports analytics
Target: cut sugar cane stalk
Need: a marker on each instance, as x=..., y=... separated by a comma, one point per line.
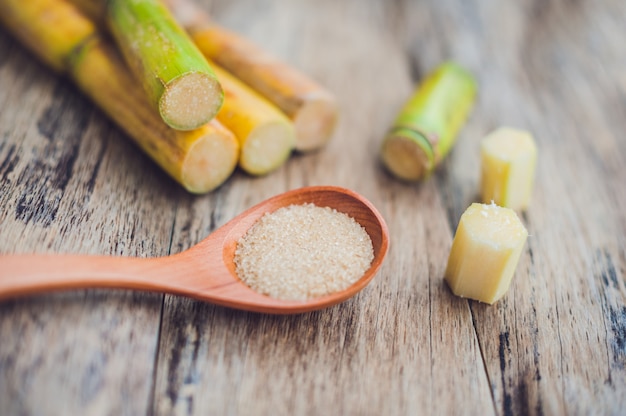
x=485, y=251
x=174, y=73
x=312, y=108
x=428, y=124
x=200, y=160
x=266, y=136
x=508, y=157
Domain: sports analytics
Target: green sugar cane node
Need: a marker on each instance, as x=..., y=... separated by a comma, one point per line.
x=408, y=154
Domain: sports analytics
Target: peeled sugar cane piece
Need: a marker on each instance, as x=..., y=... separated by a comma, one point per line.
x=485, y=251
x=266, y=136
x=508, y=158
x=428, y=124
x=312, y=109
x=200, y=160
x=175, y=74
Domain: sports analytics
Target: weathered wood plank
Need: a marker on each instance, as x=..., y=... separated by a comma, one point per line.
x=378, y=353
x=71, y=182
x=554, y=345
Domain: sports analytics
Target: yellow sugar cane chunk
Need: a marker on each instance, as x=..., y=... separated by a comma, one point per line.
x=485, y=251
x=266, y=136
x=508, y=158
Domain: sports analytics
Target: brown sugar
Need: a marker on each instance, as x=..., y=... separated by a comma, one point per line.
x=303, y=251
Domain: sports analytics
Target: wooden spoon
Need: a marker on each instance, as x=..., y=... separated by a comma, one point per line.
x=205, y=271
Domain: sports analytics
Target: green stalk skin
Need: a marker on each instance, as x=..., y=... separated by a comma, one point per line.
x=176, y=76
x=428, y=124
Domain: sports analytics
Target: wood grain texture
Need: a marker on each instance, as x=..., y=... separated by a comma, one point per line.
x=71, y=182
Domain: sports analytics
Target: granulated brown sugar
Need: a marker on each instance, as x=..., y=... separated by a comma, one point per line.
x=303, y=251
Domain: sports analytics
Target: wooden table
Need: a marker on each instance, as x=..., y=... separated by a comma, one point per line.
x=71, y=182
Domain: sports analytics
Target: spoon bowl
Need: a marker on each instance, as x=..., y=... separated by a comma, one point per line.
x=205, y=271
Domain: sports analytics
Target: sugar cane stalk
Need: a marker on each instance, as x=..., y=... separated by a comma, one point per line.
x=174, y=73
x=427, y=126
x=200, y=160
x=266, y=136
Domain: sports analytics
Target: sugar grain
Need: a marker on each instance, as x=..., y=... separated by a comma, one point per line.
x=304, y=251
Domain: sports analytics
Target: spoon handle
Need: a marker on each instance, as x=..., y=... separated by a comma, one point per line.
x=31, y=274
